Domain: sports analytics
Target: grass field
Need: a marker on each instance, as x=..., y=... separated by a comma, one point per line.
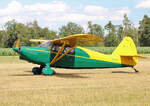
x=86, y=87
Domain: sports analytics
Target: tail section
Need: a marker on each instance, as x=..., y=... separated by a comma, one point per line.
x=127, y=52
x=126, y=48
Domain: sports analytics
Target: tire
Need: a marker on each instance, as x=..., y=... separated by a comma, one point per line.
x=36, y=71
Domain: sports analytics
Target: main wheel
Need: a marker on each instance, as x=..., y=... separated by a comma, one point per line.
x=41, y=67
x=36, y=70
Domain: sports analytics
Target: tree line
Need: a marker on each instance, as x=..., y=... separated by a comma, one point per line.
x=111, y=34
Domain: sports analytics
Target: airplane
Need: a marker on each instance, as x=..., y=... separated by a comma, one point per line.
x=67, y=53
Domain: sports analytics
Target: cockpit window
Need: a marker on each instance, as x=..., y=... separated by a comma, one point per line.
x=46, y=44
x=67, y=48
x=56, y=48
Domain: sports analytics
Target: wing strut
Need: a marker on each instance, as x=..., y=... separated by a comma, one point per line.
x=59, y=52
x=63, y=54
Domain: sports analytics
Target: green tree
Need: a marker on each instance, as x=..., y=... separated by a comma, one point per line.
x=26, y=33
x=144, y=31
x=127, y=26
x=119, y=33
x=9, y=36
x=110, y=27
x=96, y=30
x=1, y=38
x=129, y=29
x=48, y=34
x=70, y=29
x=110, y=38
x=35, y=29
x=10, y=28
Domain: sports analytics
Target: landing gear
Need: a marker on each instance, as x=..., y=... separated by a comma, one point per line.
x=48, y=71
x=45, y=70
x=135, y=69
x=36, y=71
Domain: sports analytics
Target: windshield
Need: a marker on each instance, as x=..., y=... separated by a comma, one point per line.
x=46, y=44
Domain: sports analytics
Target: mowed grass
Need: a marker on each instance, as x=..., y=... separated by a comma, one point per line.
x=73, y=87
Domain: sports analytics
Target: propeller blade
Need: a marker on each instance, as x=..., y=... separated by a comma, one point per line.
x=18, y=42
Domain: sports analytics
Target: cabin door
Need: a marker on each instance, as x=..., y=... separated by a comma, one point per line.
x=66, y=61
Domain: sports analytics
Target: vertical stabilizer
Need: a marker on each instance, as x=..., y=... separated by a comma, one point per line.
x=127, y=52
x=126, y=48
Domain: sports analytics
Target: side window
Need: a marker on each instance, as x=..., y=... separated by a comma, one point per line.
x=56, y=48
x=67, y=48
x=46, y=44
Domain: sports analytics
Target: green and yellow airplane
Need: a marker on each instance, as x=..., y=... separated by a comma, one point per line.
x=66, y=53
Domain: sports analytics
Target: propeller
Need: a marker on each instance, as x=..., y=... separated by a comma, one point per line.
x=18, y=42
x=17, y=48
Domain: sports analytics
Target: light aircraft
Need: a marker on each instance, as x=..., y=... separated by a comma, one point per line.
x=66, y=53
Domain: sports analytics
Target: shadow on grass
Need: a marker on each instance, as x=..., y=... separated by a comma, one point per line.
x=22, y=75
x=61, y=75
x=28, y=71
x=132, y=72
x=69, y=75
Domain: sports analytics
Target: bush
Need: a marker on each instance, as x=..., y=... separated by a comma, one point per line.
x=7, y=52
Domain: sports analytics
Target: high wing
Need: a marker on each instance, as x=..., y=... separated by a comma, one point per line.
x=72, y=40
x=77, y=39
x=38, y=41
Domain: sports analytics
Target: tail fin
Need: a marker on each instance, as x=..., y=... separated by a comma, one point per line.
x=127, y=52
x=126, y=48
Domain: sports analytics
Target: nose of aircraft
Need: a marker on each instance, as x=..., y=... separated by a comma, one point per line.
x=15, y=49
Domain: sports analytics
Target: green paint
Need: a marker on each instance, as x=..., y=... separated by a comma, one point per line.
x=81, y=60
x=38, y=55
x=77, y=59
x=68, y=61
x=79, y=52
x=47, y=70
x=91, y=63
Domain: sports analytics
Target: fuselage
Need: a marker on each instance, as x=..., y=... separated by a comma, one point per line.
x=78, y=58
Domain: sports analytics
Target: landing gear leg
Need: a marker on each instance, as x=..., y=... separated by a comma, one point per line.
x=48, y=71
x=135, y=69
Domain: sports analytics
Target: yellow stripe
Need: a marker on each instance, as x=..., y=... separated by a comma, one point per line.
x=37, y=50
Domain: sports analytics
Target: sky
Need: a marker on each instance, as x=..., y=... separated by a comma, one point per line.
x=55, y=13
